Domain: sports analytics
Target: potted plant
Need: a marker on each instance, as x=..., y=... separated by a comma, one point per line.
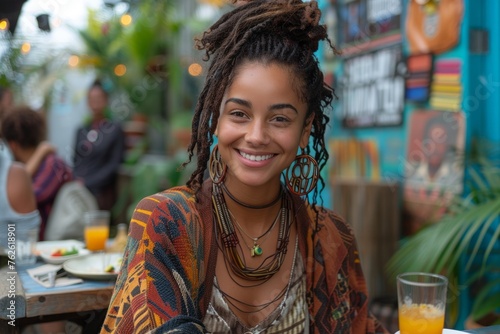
x=463, y=245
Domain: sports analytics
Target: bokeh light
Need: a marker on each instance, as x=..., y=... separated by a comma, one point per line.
x=195, y=69
x=26, y=47
x=73, y=61
x=126, y=19
x=120, y=70
x=4, y=24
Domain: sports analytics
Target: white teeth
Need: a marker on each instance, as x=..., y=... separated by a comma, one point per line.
x=256, y=157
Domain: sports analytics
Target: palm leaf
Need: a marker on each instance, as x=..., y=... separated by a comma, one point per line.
x=468, y=231
x=487, y=301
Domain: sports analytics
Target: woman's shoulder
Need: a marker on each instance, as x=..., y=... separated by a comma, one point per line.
x=20, y=189
x=173, y=211
x=332, y=222
x=179, y=195
x=176, y=200
x=329, y=214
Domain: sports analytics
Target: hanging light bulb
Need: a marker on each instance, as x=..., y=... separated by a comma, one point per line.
x=4, y=24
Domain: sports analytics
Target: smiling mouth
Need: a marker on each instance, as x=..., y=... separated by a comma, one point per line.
x=256, y=157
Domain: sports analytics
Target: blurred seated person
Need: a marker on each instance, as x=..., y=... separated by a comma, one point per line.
x=25, y=130
x=6, y=101
x=100, y=149
x=17, y=200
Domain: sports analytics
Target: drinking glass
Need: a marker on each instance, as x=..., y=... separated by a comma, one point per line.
x=26, y=246
x=96, y=231
x=421, y=303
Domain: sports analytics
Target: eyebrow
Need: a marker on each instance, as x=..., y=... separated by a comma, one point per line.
x=247, y=104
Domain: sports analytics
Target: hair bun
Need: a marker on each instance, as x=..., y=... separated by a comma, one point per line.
x=311, y=16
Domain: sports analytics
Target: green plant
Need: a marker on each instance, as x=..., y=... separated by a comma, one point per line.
x=462, y=241
x=144, y=49
x=148, y=176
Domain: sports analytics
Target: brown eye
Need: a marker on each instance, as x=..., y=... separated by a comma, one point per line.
x=238, y=113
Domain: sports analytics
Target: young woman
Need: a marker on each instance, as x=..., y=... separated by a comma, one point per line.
x=99, y=149
x=244, y=251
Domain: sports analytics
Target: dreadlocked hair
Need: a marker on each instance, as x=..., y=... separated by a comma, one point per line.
x=281, y=32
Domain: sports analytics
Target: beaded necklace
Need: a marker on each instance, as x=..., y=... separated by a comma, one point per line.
x=230, y=242
x=255, y=250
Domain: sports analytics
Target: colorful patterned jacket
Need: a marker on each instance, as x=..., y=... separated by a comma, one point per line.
x=165, y=282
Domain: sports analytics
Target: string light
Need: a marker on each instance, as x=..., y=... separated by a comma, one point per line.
x=4, y=24
x=126, y=19
x=195, y=69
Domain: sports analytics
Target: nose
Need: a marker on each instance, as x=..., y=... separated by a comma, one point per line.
x=257, y=133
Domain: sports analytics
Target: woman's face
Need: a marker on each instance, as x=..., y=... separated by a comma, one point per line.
x=98, y=100
x=261, y=124
x=439, y=144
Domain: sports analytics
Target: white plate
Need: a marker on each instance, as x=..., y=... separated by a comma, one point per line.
x=46, y=248
x=446, y=331
x=92, y=266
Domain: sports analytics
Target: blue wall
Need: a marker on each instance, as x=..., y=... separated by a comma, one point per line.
x=480, y=97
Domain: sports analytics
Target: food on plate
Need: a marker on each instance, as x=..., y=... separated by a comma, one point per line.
x=110, y=269
x=64, y=251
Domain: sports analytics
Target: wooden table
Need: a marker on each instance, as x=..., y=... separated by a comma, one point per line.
x=23, y=301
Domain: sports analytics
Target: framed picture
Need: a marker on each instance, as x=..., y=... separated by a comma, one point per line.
x=434, y=169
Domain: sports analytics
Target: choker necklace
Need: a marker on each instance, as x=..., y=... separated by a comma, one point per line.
x=255, y=250
x=251, y=206
x=228, y=241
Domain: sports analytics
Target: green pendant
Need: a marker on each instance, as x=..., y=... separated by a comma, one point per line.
x=256, y=250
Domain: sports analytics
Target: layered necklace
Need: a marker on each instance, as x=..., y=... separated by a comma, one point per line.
x=255, y=250
x=230, y=241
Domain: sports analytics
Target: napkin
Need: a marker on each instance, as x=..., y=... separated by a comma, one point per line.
x=41, y=276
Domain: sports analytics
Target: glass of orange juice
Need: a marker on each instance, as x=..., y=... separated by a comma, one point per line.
x=96, y=231
x=421, y=303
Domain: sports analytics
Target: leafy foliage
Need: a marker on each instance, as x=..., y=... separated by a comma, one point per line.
x=143, y=48
x=470, y=231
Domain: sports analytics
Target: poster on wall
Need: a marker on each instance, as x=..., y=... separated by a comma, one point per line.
x=373, y=89
x=367, y=24
x=433, y=26
x=433, y=166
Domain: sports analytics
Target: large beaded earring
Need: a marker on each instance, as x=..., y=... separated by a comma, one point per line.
x=216, y=167
x=302, y=175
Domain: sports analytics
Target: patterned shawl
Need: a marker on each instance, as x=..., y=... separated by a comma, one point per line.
x=165, y=282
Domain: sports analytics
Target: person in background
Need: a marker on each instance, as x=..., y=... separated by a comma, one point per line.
x=6, y=101
x=25, y=132
x=17, y=199
x=249, y=250
x=99, y=149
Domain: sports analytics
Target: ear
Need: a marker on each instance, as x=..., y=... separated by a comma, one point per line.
x=306, y=132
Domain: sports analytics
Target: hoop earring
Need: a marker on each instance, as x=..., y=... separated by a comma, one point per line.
x=302, y=175
x=216, y=168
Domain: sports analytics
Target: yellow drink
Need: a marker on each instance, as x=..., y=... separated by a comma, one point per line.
x=95, y=237
x=420, y=319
